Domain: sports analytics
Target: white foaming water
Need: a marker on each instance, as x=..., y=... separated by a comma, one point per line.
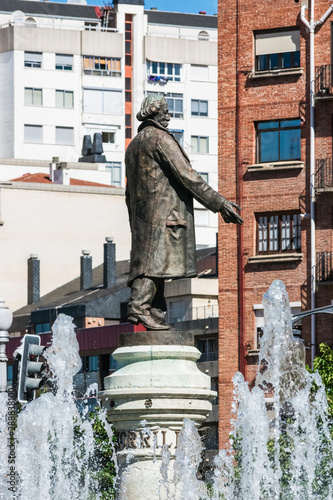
x=55, y=447
x=285, y=454
x=281, y=454
x=4, y=450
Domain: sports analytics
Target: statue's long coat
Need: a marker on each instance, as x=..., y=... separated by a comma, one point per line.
x=161, y=185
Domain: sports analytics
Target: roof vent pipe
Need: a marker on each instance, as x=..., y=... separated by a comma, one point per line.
x=109, y=270
x=33, y=279
x=86, y=270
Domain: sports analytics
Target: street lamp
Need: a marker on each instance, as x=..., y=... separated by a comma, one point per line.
x=6, y=320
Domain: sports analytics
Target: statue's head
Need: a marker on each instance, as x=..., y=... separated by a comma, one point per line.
x=154, y=107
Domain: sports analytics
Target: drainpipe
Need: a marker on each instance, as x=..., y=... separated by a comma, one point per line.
x=311, y=26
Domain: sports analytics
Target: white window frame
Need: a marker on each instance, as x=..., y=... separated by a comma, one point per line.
x=64, y=92
x=94, y=61
x=198, y=139
x=167, y=71
x=34, y=91
x=33, y=59
x=64, y=62
x=57, y=129
x=199, y=101
x=115, y=168
x=33, y=127
x=275, y=44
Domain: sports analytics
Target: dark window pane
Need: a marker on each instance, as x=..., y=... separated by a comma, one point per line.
x=128, y=133
x=170, y=69
x=268, y=125
x=177, y=69
x=128, y=35
x=286, y=60
x=269, y=146
x=290, y=144
x=128, y=60
x=128, y=120
x=297, y=59
x=290, y=123
x=262, y=63
x=162, y=68
x=128, y=83
x=273, y=61
x=128, y=47
x=128, y=26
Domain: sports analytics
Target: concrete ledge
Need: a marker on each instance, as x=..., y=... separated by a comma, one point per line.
x=162, y=337
x=272, y=258
x=279, y=165
x=277, y=72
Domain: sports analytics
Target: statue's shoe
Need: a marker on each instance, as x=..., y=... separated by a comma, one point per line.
x=148, y=322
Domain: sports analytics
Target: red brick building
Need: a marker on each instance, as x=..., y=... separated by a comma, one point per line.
x=264, y=164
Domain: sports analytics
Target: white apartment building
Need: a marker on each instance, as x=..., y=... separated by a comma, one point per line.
x=69, y=70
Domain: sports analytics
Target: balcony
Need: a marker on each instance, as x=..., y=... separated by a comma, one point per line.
x=324, y=175
x=192, y=313
x=208, y=356
x=323, y=82
x=324, y=268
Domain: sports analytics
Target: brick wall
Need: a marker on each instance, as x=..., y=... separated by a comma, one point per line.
x=242, y=102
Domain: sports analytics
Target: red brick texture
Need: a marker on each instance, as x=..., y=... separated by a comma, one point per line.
x=242, y=102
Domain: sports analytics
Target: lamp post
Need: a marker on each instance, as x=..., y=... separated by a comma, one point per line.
x=6, y=319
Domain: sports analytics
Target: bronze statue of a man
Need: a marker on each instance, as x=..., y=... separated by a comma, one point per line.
x=161, y=185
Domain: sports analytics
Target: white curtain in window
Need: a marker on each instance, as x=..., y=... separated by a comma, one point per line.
x=199, y=72
x=277, y=42
x=113, y=102
x=65, y=135
x=92, y=101
x=64, y=60
x=33, y=133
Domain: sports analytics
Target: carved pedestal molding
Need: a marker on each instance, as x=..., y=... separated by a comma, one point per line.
x=156, y=386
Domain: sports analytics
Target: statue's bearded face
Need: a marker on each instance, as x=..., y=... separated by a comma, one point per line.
x=163, y=117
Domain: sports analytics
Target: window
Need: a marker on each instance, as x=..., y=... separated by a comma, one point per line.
x=33, y=59
x=174, y=101
x=279, y=140
x=199, y=72
x=201, y=217
x=102, y=101
x=278, y=233
x=199, y=144
x=65, y=135
x=33, y=97
x=208, y=348
x=113, y=363
x=10, y=373
x=203, y=35
x=178, y=135
x=108, y=137
x=64, y=62
x=176, y=311
x=30, y=21
x=33, y=133
x=103, y=66
x=42, y=327
x=199, y=108
x=277, y=50
x=164, y=72
x=205, y=176
x=64, y=98
x=92, y=363
x=115, y=168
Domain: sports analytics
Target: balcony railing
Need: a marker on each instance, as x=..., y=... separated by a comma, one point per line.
x=324, y=174
x=192, y=313
x=324, y=268
x=323, y=81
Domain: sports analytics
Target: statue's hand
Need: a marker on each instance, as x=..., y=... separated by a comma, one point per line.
x=228, y=213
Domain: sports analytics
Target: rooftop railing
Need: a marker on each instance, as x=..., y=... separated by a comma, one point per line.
x=192, y=313
x=60, y=26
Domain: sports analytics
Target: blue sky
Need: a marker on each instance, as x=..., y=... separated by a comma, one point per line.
x=193, y=6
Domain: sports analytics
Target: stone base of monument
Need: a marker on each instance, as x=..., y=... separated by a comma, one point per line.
x=156, y=386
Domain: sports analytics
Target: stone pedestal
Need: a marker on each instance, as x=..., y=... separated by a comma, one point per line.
x=156, y=386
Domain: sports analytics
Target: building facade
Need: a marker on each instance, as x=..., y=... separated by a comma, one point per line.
x=72, y=70
x=264, y=164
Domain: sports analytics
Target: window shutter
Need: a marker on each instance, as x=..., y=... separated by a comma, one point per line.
x=277, y=43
